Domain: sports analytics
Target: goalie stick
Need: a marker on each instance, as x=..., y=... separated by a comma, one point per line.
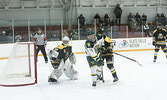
x=128, y=58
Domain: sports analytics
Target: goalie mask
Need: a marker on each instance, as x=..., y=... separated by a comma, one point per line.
x=65, y=40
x=91, y=36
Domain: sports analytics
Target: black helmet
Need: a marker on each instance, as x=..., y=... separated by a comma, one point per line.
x=101, y=31
x=159, y=24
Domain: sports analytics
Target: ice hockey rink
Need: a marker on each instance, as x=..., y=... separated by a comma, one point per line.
x=136, y=83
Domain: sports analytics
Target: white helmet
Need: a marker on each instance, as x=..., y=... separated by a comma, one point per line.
x=65, y=40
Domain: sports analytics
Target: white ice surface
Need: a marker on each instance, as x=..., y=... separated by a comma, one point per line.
x=136, y=83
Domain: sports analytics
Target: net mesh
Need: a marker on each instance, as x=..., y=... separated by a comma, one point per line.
x=20, y=67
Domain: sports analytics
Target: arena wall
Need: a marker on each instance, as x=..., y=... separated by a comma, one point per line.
x=121, y=45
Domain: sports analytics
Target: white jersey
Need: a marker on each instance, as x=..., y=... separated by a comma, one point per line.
x=91, y=48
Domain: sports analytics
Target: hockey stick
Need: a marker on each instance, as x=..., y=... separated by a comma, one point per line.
x=71, y=38
x=102, y=76
x=128, y=58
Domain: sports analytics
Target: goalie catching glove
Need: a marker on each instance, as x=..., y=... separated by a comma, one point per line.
x=53, y=54
x=154, y=43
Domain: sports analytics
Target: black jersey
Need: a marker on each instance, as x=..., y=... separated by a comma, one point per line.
x=159, y=36
x=64, y=52
x=107, y=48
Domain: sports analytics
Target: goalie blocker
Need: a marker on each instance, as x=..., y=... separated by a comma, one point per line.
x=62, y=60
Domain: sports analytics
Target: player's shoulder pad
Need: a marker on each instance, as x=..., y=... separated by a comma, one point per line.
x=89, y=44
x=164, y=29
x=154, y=31
x=107, y=39
x=60, y=46
x=69, y=45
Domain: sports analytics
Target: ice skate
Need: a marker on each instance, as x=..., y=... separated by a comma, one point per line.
x=52, y=80
x=154, y=60
x=99, y=77
x=94, y=84
x=115, y=79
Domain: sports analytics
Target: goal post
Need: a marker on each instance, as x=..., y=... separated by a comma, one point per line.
x=21, y=67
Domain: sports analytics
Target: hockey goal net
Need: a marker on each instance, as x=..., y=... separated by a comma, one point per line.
x=21, y=67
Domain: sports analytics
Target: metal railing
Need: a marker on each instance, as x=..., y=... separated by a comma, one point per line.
x=23, y=30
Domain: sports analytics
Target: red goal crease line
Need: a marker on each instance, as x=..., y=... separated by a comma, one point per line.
x=3, y=58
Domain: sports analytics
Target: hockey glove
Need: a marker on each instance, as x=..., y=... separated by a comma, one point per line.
x=54, y=58
x=154, y=43
x=100, y=61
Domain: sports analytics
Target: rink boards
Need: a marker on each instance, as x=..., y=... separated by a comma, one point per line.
x=121, y=45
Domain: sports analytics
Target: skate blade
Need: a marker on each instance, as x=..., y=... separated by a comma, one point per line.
x=114, y=83
x=53, y=83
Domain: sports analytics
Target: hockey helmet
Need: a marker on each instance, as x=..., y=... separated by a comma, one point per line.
x=101, y=31
x=65, y=40
x=159, y=24
x=91, y=35
x=90, y=32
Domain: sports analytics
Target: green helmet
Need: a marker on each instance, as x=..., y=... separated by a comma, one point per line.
x=91, y=32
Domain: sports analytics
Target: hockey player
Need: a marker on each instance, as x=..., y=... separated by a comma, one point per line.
x=93, y=56
x=62, y=60
x=107, y=52
x=159, y=40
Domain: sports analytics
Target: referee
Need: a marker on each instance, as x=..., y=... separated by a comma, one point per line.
x=41, y=42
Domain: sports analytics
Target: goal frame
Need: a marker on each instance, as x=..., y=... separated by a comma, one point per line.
x=35, y=64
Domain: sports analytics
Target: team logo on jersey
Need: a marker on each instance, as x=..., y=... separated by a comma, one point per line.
x=88, y=44
x=160, y=36
x=64, y=51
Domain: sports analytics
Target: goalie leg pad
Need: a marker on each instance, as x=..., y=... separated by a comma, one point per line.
x=56, y=73
x=69, y=71
x=73, y=59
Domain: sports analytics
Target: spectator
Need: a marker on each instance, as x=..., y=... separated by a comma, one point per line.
x=147, y=30
x=163, y=19
x=9, y=31
x=3, y=33
x=102, y=23
x=130, y=18
x=118, y=13
x=138, y=19
x=97, y=16
x=131, y=21
x=106, y=16
x=65, y=33
x=144, y=19
x=106, y=21
x=74, y=35
x=18, y=37
x=81, y=19
x=113, y=22
x=158, y=18
x=98, y=19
